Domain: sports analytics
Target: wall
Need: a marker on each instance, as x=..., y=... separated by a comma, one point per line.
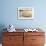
x=9, y=13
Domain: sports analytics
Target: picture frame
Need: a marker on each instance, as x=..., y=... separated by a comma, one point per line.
x=25, y=13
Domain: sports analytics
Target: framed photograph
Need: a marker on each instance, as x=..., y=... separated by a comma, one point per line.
x=25, y=13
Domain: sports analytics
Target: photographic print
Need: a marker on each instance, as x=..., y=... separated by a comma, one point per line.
x=25, y=13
